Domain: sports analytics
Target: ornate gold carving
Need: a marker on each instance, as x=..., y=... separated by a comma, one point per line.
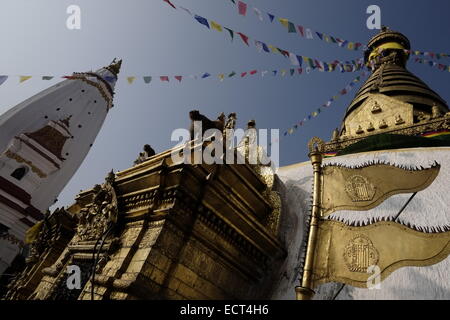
x=442, y=123
x=359, y=188
x=105, y=94
x=383, y=124
x=399, y=120
x=370, y=128
x=354, y=188
x=316, y=144
x=99, y=215
x=359, y=254
x=376, y=108
x=19, y=159
x=344, y=252
x=359, y=130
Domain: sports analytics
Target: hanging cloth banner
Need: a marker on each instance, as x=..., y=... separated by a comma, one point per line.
x=354, y=66
x=304, y=32
x=315, y=113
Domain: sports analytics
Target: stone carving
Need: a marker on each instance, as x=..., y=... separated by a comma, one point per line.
x=101, y=214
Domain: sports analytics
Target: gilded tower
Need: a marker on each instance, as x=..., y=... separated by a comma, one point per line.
x=392, y=101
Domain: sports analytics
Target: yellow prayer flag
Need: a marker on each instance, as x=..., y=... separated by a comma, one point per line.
x=284, y=22
x=283, y=72
x=351, y=45
x=216, y=26
x=24, y=78
x=130, y=79
x=314, y=114
x=221, y=76
x=274, y=50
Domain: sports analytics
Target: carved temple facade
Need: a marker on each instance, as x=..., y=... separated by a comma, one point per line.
x=161, y=230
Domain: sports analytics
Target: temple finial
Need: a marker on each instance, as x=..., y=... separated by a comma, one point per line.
x=114, y=67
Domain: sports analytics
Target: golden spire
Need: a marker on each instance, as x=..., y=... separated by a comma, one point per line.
x=114, y=67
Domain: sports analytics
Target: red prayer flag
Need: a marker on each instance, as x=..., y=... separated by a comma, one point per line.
x=253, y=72
x=178, y=78
x=170, y=3
x=300, y=70
x=301, y=30
x=164, y=78
x=283, y=52
x=243, y=74
x=242, y=8
x=244, y=38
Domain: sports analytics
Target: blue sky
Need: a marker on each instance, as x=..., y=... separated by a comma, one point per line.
x=154, y=39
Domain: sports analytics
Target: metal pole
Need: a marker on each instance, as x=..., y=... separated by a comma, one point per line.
x=305, y=291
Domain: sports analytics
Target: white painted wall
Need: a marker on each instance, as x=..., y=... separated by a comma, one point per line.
x=430, y=207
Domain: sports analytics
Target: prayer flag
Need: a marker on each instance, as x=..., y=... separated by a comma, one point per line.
x=202, y=20
x=231, y=33
x=216, y=26
x=147, y=79
x=258, y=13
x=291, y=28
x=24, y=78
x=242, y=7
x=164, y=78
x=244, y=38
x=179, y=78
x=130, y=79
x=170, y=3
x=3, y=79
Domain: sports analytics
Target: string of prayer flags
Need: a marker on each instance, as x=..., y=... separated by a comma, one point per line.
x=432, y=64
x=432, y=55
x=301, y=30
x=315, y=113
x=148, y=79
x=295, y=60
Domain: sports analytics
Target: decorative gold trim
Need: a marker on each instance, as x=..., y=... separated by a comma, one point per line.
x=19, y=159
x=388, y=245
